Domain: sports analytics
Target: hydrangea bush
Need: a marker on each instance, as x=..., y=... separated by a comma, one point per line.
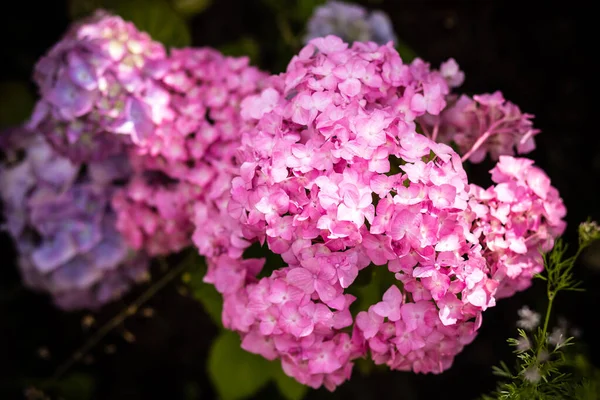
x=295, y=188
x=316, y=185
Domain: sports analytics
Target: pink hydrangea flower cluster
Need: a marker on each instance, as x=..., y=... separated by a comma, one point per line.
x=97, y=88
x=153, y=212
x=316, y=185
x=516, y=219
x=184, y=169
x=484, y=124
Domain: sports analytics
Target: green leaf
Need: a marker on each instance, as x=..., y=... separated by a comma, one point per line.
x=211, y=301
x=76, y=386
x=238, y=374
x=235, y=373
x=289, y=388
x=162, y=19
x=275, y=5
x=205, y=293
x=156, y=17
x=406, y=52
x=371, y=292
x=192, y=391
x=305, y=8
x=189, y=8
x=16, y=103
x=364, y=365
x=273, y=261
x=298, y=10
x=244, y=46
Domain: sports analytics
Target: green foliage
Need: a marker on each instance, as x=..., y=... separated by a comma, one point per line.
x=305, y=8
x=559, y=275
x=205, y=293
x=235, y=373
x=75, y=386
x=364, y=366
x=238, y=374
x=81, y=8
x=16, y=103
x=405, y=51
x=190, y=8
x=244, y=46
x=158, y=18
x=294, y=13
x=289, y=18
x=544, y=368
x=294, y=10
x=288, y=387
x=369, y=287
x=273, y=261
x=192, y=391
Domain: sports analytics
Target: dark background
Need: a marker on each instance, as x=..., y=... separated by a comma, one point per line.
x=539, y=56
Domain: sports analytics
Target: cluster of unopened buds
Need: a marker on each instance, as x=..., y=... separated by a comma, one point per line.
x=339, y=166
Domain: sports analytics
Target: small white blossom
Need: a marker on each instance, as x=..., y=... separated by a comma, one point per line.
x=532, y=374
x=523, y=344
x=543, y=356
x=529, y=320
x=589, y=231
x=557, y=337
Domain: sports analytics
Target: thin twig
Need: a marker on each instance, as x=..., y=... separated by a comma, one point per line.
x=436, y=129
x=119, y=318
x=546, y=321
x=552, y=292
x=476, y=146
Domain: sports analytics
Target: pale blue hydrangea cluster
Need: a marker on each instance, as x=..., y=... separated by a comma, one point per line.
x=59, y=216
x=351, y=22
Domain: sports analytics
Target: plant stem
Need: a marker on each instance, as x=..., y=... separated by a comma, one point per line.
x=286, y=31
x=552, y=292
x=547, y=319
x=119, y=318
x=436, y=129
x=476, y=146
x=425, y=130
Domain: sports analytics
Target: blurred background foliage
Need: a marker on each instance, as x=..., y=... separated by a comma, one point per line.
x=174, y=346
